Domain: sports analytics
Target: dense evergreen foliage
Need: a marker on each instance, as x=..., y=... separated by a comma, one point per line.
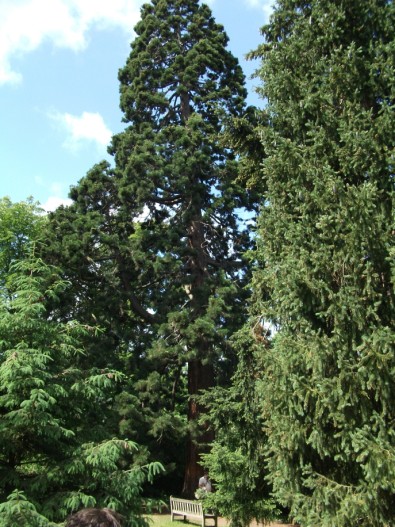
x=128, y=336
x=234, y=462
x=327, y=270
x=154, y=246
x=57, y=451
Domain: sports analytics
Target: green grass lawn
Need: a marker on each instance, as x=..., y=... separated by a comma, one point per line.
x=164, y=520
x=160, y=520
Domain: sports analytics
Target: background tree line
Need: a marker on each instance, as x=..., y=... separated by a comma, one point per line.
x=145, y=330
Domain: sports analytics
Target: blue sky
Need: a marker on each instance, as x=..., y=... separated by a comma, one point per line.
x=59, y=102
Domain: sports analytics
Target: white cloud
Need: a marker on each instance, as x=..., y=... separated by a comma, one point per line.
x=53, y=202
x=56, y=190
x=265, y=5
x=88, y=127
x=26, y=24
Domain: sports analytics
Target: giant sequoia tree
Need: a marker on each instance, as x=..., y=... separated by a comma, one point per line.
x=326, y=254
x=160, y=232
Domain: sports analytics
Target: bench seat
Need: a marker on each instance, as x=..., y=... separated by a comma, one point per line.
x=190, y=509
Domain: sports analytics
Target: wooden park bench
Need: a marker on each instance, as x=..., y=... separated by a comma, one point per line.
x=190, y=509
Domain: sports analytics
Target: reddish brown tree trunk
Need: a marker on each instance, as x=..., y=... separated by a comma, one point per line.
x=200, y=377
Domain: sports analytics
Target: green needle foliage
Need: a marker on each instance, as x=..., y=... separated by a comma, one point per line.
x=156, y=243
x=241, y=493
x=326, y=248
x=56, y=451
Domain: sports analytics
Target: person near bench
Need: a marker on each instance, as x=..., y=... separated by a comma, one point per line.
x=205, y=482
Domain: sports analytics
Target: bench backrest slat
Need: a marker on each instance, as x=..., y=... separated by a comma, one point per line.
x=187, y=506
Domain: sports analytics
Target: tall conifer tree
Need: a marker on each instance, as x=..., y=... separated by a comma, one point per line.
x=326, y=257
x=167, y=218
